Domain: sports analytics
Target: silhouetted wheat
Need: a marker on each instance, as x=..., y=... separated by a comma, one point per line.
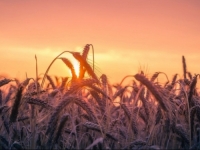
x=184, y=67
x=178, y=129
x=51, y=81
x=87, y=112
x=15, y=107
x=64, y=119
x=1, y=98
x=152, y=89
x=85, y=64
x=38, y=102
x=192, y=87
x=4, y=82
x=70, y=66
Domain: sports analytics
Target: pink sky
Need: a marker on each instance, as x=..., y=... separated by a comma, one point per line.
x=127, y=35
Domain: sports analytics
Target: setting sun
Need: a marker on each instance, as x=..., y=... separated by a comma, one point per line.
x=76, y=67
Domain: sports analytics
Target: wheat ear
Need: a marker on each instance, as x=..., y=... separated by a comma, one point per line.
x=78, y=57
x=15, y=107
x=1, y=99
x=51, y=82
x=63, y=121
x=130, y=118
x=77, y=85
x=4, y=82
x=184, y=67
x=38, y=102
x=191, y=91
x=64, y=81
x=85, y=106
x=155, y=75
x=64, y=102
x=98, y=99
x=70, y=66
x=152, y=89
x=84, y=55
x=178, y=129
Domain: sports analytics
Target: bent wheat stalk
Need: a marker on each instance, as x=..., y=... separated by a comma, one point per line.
x=4, y=82
x=152, y=89
x=50, y=67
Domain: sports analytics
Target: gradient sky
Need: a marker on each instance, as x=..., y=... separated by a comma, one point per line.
x=126, y=35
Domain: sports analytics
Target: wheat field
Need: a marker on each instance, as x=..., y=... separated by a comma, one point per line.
x=87, y=112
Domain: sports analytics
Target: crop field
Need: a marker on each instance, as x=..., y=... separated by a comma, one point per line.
x=85, y=111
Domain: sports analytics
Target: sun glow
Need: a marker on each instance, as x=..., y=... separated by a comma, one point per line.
x=76, y=67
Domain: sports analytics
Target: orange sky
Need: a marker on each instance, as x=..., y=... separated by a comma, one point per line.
x=127, y=35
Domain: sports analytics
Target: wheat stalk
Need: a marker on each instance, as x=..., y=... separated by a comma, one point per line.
x=152, y=89
x=50, y=67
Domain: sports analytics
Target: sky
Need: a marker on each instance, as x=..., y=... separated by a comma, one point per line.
x=128, y=36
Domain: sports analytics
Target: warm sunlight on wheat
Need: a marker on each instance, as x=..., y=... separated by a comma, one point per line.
x=100, y=75
x=117, y=117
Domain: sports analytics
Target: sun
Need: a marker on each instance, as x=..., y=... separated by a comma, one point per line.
x=76, y=67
